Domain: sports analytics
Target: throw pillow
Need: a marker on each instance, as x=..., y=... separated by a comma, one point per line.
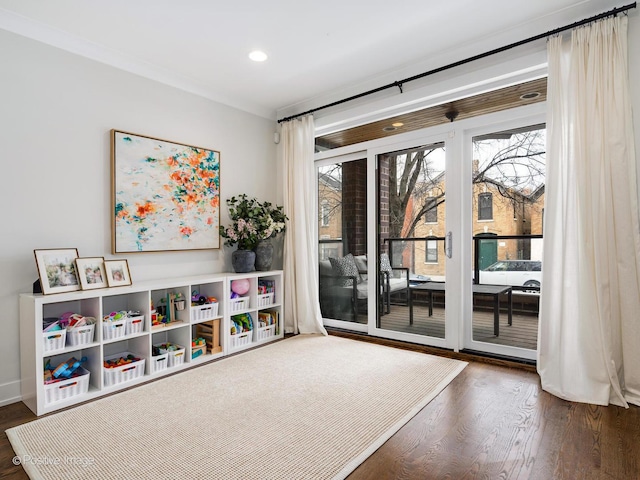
x=385, y=263
x=345, y=267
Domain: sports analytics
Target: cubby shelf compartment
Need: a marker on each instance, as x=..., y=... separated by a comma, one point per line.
x=193, y=320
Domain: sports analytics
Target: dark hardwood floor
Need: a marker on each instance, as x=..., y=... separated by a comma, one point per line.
x=492, y=422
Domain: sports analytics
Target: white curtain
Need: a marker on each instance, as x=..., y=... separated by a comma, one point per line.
x=302, y=306
x=589, y=334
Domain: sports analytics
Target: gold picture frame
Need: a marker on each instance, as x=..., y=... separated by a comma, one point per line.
x=165, y=195
x=91, y=272
x=117, y=272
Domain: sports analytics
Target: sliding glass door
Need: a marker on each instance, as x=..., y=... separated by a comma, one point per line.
x=342, y=242
x=435, y=237
x=411, y=235
x=507, y=205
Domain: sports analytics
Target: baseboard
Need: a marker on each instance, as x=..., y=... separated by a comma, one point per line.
x=10, y=393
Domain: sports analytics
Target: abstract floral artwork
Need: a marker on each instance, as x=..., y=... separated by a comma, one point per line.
x=166, y=196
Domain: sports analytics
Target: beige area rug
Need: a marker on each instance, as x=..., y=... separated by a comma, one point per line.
x=309, y=407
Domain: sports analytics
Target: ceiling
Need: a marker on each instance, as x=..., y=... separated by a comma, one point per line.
x=317, y=50
x=510, y=97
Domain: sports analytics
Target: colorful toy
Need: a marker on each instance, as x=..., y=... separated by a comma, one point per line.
x=243, y=323
x=118, y=362
x=66, y=369
x=241, y=286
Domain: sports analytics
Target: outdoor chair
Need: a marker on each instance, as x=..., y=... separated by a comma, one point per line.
x=344, y=285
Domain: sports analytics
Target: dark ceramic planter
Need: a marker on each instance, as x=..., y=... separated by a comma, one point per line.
x=264, y=255
x=243, y=261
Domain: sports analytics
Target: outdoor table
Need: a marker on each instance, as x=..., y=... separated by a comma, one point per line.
x=491, y=290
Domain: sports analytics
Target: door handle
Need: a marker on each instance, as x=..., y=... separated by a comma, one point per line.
x=448, y=245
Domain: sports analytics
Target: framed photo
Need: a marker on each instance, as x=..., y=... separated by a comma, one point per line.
x=166, y=196
x=57, y=270
x=91, y=272
x=117, y=272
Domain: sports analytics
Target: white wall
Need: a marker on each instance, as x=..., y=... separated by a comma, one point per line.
x=56, y=113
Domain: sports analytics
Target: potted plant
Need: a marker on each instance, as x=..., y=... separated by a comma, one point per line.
x=252, y=222
x=270, y=222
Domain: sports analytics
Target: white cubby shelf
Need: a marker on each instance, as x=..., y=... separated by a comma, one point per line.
x=138, y=335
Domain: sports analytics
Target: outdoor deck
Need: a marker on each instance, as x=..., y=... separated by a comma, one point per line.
x=522, y=333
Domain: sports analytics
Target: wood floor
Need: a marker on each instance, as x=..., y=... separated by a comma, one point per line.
x=492, y=422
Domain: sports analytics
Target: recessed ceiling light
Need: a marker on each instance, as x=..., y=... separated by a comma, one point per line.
x=388, y=129
x=258, y=56
x=397, y=124
x=529, y=96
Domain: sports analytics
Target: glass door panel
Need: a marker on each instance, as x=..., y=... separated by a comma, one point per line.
x=342, y=243
x=508, y=179
x=410, y=241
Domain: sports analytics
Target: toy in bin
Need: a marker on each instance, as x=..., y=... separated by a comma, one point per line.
x=118, y=362
x=241, y=323
x=197, y=299
x=63, y=371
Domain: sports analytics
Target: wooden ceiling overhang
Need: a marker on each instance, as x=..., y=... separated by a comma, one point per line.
x=489, y=102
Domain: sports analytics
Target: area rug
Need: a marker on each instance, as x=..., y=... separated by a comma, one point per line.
x=308, y=407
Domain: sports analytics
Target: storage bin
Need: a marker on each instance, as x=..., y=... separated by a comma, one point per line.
x=115, y=329
x=54, y=340
x=123, y=373
x=176, y=357
x=265, y=300
x=241, y=339
x=159, y=362
x=208, y=311
x=78, y=336
x=134, y=325
x=58, y=391
x=263, y=333
x=239, y=304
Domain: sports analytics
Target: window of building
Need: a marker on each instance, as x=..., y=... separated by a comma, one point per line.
x=485, y=206
x=431, y=255
x=431, y=214
x=324, y=214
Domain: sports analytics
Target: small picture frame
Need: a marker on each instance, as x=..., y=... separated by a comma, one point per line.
x=117, y=273
x=91, y=272
x=57, y=270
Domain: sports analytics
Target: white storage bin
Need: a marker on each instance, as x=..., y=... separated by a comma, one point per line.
x=55, y=392
x=241, y=339
x=123, y=373
x=208, y=311
x=176, y=357
x=263, y=333
x=239, y=304
x=115, y=329
x=159, y=362
x=265, y=300
x=134, y=325
x=54, y=340
x=78, y=336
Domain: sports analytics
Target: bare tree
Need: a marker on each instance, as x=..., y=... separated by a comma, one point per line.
x=330, y=192
x=513, y=162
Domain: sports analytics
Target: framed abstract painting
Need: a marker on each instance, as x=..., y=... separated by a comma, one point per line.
x=165, y=195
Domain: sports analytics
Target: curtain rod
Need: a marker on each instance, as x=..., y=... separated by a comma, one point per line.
x=400, y=83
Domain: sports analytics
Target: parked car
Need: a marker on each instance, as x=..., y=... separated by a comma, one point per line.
x=518, y=273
